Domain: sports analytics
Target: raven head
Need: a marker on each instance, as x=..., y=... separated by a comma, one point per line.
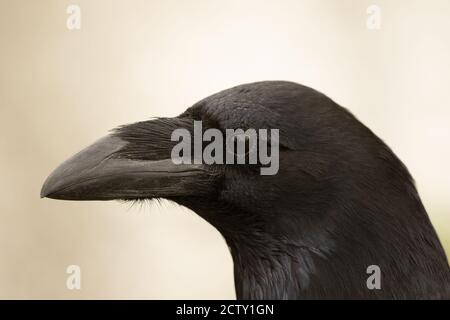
x=338, y=201
x=136, y=161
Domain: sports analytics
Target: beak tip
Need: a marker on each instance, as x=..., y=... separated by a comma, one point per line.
x=50, y=187
x=44, y=191
x=43, y=194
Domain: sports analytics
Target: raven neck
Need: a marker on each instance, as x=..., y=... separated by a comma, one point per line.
x=271, y=271
x=319, y=263
x=292, y=271
x=320, y=257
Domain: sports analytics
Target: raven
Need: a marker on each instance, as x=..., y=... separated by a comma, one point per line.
x=340, y=202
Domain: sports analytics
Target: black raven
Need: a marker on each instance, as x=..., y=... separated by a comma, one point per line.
x=340, y=202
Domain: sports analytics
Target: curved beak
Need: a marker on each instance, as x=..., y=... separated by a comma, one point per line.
x=99, y=173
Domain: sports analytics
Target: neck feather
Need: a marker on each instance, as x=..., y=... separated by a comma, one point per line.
x=326, y=257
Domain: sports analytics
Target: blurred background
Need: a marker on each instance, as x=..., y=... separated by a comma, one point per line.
x=62, y=88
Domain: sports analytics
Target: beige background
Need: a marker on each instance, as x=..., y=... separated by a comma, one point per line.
x=62, y=89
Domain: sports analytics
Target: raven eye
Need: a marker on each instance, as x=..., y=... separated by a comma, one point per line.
x=242, y=144
x=241, y=147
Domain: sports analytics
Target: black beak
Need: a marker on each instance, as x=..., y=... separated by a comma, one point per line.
x=99, y=173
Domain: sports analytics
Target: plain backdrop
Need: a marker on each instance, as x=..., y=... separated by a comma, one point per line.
x=62, y=89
